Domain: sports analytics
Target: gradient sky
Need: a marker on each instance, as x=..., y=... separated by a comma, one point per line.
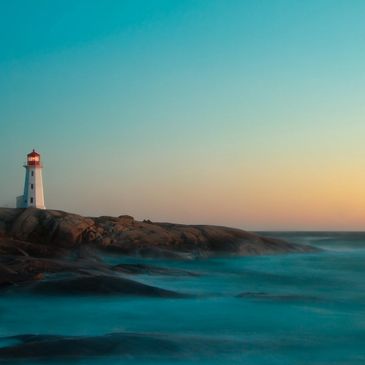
x=241, y=113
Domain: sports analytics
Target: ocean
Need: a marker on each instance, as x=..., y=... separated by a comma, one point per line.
x=295, y=309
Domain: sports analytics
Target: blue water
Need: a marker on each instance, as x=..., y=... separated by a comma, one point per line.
x=294, y=309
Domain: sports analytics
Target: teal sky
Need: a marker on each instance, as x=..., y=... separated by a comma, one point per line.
x=242, y=113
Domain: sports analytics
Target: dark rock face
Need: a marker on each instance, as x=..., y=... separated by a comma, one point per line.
x=50, y=347
x=36, y=242
x=58, y=347
x=150, y=270
x=101, y=285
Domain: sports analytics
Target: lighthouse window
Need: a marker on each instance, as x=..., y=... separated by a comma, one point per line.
x=31, y=200
x=32, y=173
x=31, y=186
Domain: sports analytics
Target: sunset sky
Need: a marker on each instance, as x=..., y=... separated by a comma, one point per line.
x=242, y=113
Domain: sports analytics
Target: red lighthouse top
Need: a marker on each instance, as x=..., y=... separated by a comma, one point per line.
x=33, y=159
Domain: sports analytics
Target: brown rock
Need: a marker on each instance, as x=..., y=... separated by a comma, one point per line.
x=57, y=229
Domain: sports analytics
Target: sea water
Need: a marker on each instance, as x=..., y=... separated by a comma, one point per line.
x=288, y=309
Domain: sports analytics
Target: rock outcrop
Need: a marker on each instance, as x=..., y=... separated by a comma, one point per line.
x=101, y=285
x=51, y=348
x=57, y=230
x=35, y=243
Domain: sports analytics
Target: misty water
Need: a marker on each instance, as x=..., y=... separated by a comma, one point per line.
x=284, y=309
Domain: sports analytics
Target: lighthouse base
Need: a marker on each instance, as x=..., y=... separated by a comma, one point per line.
x=20, y=201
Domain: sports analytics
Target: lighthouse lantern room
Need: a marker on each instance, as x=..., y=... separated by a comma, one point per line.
x=33, y=185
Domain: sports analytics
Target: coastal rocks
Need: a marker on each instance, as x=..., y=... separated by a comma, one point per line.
x=136, y=269
x=59, y=347
x=128, y=345
x=101, y=285
x=36, y=244
x=24, y=248
x=10, y=277
x=20, y=270
x=46, y=226
x=18, y=267
x=125, y=235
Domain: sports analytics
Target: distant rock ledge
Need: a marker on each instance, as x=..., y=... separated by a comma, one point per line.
x=36, y=244
x=44, y=232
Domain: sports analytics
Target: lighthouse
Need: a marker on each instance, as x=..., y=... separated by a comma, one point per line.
x=33, y=185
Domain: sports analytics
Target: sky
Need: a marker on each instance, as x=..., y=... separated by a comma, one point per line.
x=246, y=113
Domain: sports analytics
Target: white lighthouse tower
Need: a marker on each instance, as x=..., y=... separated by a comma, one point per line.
x=33, y=186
